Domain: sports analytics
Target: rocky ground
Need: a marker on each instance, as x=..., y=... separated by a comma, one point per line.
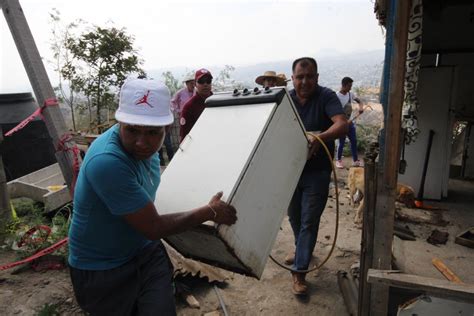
x=50, y=292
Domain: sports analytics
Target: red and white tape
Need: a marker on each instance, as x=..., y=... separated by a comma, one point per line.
x=37, y=255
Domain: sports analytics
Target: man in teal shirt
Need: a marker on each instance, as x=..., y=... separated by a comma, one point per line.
x=118, y=264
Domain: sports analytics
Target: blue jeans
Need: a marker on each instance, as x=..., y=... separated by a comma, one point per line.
x=305, y=210
x=353, y=139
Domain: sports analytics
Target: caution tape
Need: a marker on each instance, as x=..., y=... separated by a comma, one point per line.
x=62, y=142
x=35, y=114
x=37, y=255
x=62, y=146
x=30, y=238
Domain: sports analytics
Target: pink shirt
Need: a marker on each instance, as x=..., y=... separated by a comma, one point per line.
x=180, y=98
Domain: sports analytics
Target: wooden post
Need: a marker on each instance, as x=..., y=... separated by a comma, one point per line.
x=39, y=81
x=385, y=205
x=5, y=211
x=367, y=241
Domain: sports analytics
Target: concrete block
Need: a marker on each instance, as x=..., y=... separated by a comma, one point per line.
x=46, y=185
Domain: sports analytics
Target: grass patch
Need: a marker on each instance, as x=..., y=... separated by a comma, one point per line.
x=49, y=310
x=28, y=214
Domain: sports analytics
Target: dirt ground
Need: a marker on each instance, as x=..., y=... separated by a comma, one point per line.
x=28, y=292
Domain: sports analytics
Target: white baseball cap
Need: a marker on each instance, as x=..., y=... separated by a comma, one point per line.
x=144, y=102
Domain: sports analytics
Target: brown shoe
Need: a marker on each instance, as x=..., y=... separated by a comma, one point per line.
x=299, y=284
x=290, y=258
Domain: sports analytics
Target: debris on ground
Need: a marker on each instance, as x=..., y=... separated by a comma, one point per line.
x=192, y=301
x=403, y=232
x=438, y=237
x=448, y=274
x=188, y=267
x=420, y=216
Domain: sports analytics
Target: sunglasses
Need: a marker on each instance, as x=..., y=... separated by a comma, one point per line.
x=205, y=80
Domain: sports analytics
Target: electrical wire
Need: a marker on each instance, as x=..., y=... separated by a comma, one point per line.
x=336, y=229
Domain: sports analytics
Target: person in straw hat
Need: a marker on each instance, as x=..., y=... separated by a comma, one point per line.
x=283, y=79
x=118, y=265
x=270, y=79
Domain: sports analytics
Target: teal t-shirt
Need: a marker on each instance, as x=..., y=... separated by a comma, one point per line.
x=111, y=183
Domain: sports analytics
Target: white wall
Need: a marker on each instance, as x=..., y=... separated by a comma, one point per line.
x=434, y=95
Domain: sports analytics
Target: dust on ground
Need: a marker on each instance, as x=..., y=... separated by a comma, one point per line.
x=29, y=292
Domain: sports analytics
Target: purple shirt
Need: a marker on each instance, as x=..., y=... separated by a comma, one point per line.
x=180, y=98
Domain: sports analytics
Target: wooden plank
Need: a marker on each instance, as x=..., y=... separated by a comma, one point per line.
x=39, y=80
x=435, y=287
x=385, y=205
x=396, y=94
x=448, y=274
x=382, y=245
x=367, y=242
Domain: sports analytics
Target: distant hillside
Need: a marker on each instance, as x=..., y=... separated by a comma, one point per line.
x=364, y=67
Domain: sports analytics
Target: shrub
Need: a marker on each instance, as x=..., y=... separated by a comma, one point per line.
x=366, y=134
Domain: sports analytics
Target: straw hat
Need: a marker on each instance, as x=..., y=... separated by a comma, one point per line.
x=266, y=74
x=282, y=80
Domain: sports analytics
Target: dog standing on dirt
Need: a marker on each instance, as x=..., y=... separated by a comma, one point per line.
x=355, y=180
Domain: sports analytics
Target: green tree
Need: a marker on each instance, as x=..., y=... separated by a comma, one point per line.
x=224, y=81
x=360, y=91
x=60, y=33
x=171, y=82
x=102, y=60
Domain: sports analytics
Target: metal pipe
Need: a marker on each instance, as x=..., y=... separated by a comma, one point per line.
x=350, y=299
x=221, y=301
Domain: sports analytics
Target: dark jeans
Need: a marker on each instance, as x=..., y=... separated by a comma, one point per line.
x=353, y=139
x=142, y=286
x=169, y=149
x=305, y=210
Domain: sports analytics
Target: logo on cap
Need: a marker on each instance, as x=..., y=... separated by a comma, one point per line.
x=144, y=100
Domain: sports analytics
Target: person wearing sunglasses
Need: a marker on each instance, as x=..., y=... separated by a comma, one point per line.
x=194, y=107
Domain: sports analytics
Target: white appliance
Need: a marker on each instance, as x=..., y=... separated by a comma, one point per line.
x=252, y=146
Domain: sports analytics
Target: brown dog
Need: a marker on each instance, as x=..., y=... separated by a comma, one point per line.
x=355, y=180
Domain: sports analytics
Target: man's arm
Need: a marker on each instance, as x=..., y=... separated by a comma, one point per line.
x=361, y=104
x=116, y=185
x=183, y=121
x=338, y=129
x=154, y=226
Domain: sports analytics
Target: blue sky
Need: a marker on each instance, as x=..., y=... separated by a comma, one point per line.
x=206, y=33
